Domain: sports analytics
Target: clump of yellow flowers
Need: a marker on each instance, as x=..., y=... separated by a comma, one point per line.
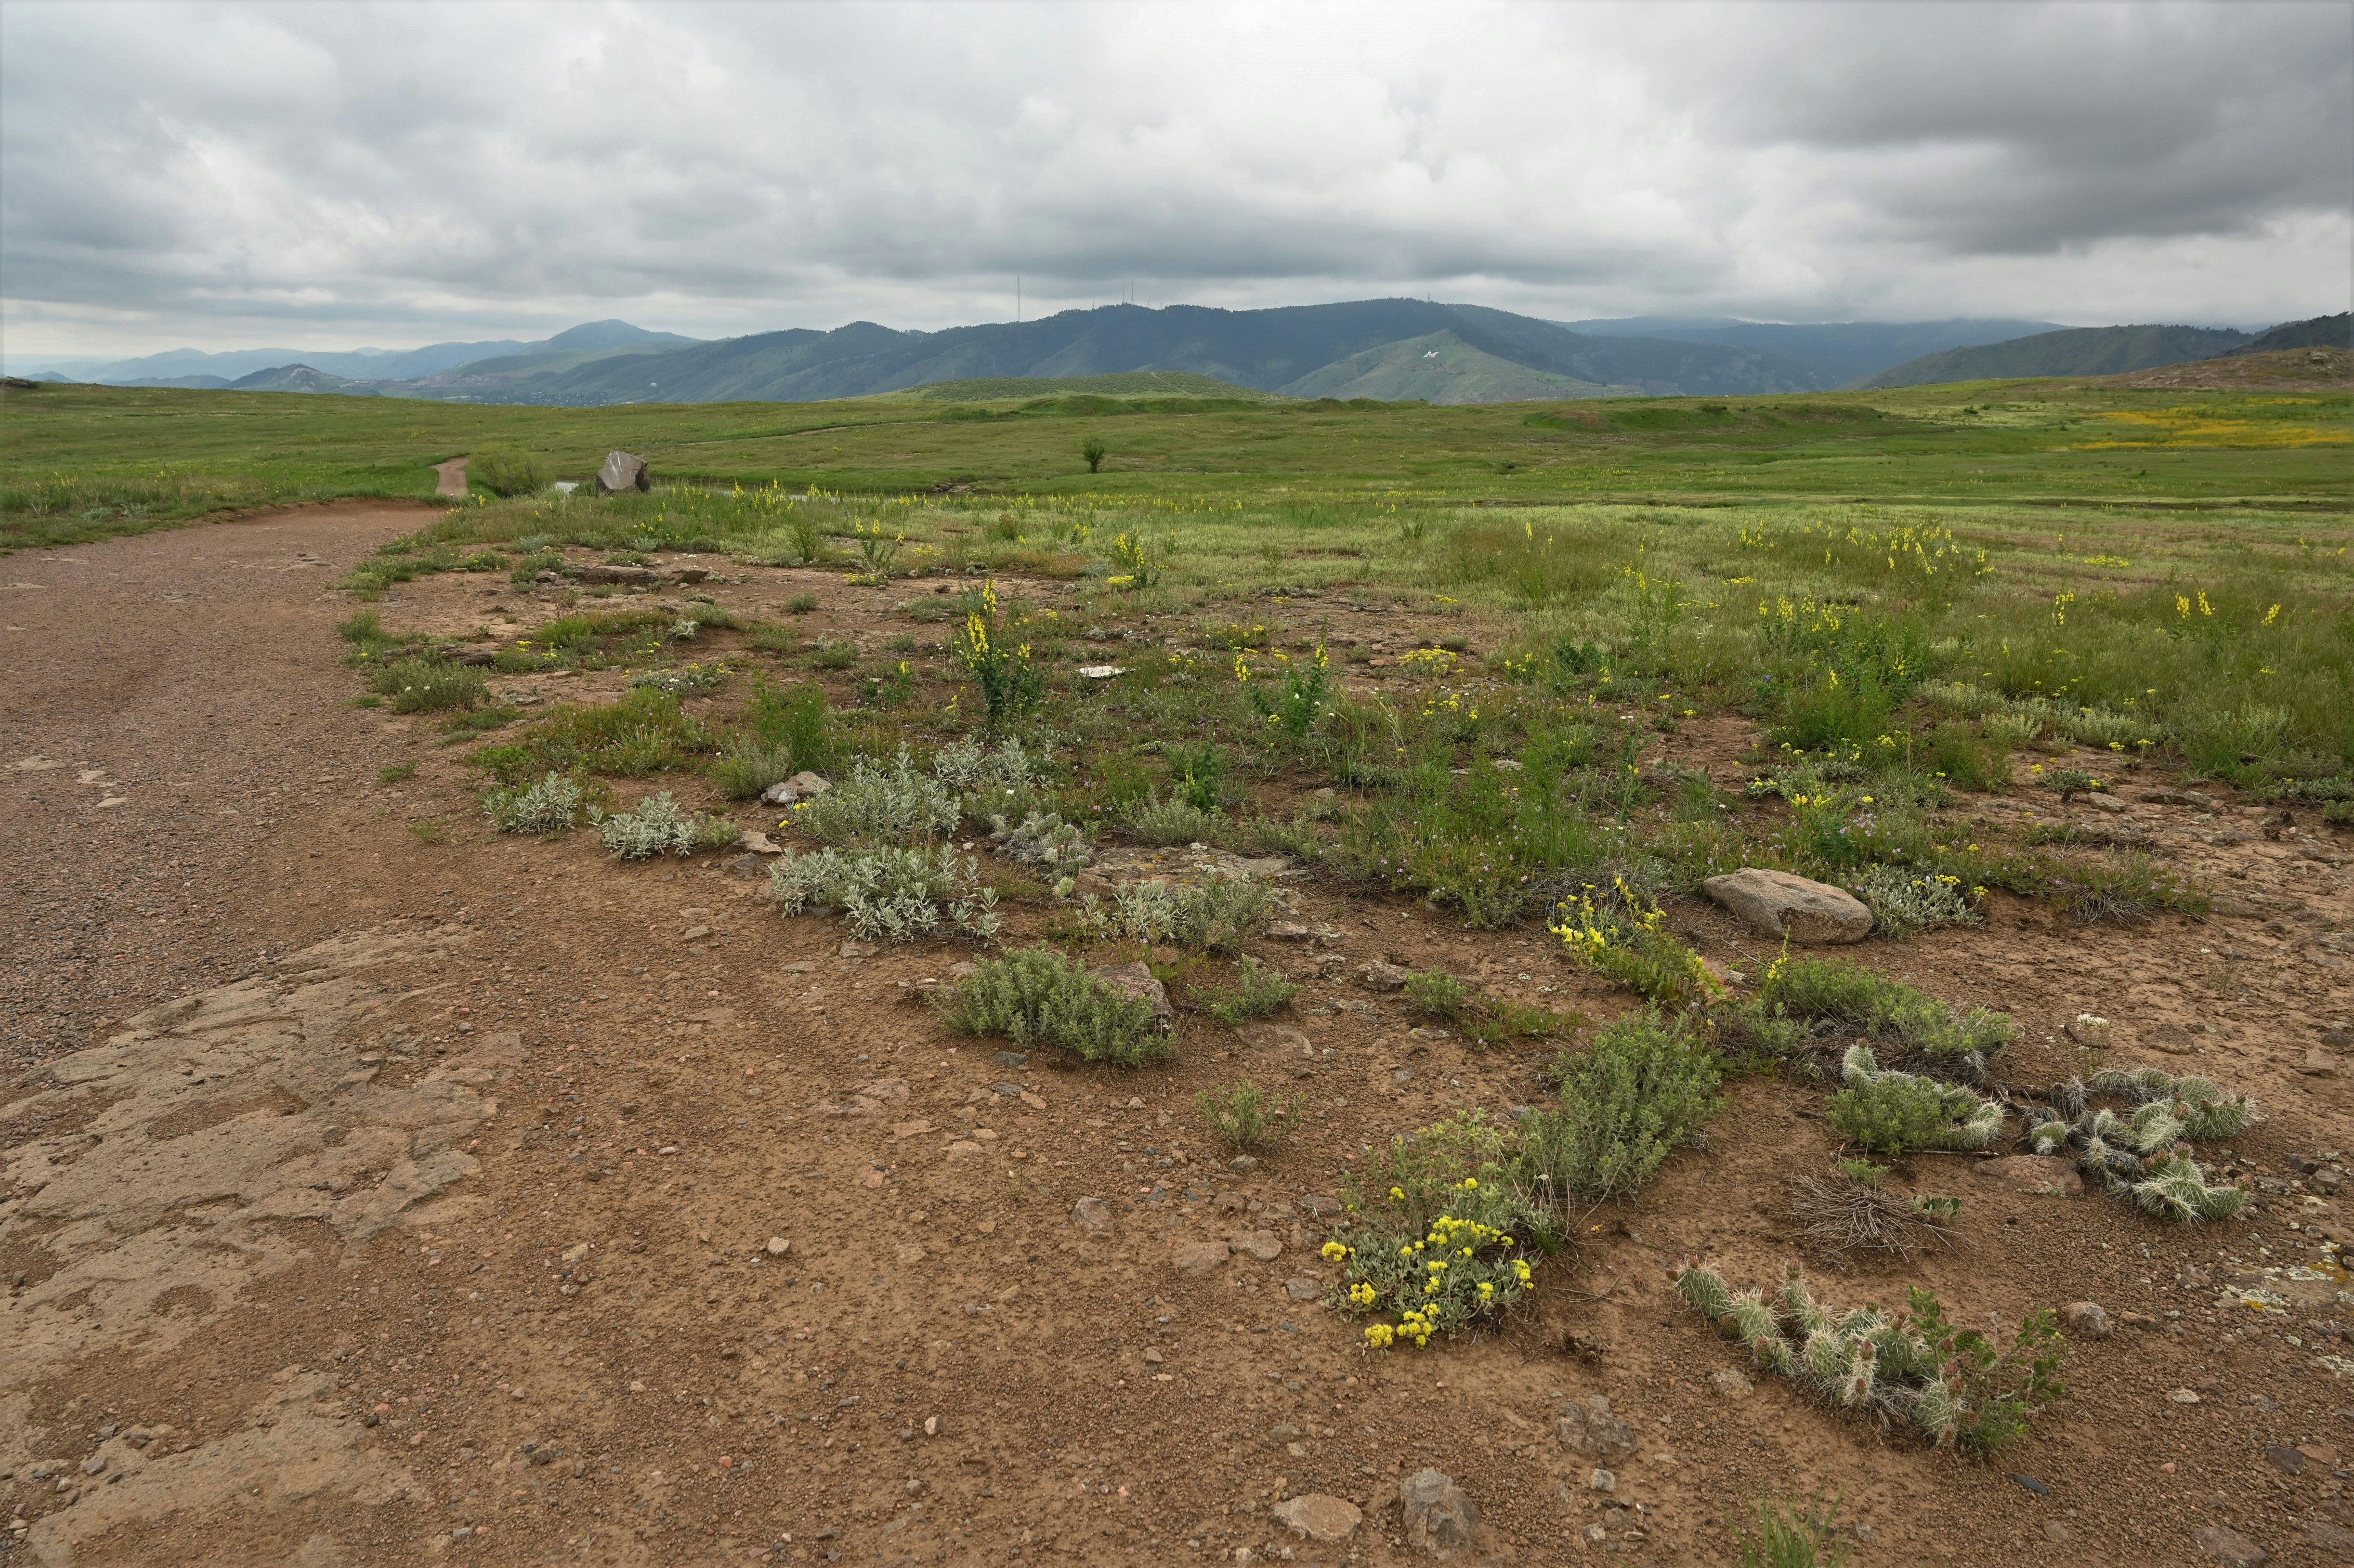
x=1441, y=1278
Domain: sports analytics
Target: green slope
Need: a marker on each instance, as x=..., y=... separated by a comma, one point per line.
x=1438, y=367
x=1122, y=384
x=2079, y=351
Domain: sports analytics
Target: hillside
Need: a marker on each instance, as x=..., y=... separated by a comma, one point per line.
x=1439, y=368
x=300, y=378
x=2320, y=332
x=2281, y=370
x=1844, y=353
x=1125, y=383
x=2077, y=351
x=1268, y=350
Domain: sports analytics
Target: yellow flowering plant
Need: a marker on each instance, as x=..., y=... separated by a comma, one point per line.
x=994, y=655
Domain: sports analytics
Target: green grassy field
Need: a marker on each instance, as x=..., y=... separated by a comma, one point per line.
x=81, y=462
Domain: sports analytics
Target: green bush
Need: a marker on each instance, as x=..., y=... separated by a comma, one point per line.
x=1644, y=1085
x=505, y=470
x=1257, y=991
x=1178, y=821
x=430, y=687
x=1903, y=902
x=1791, y=1538
x=1243, y=1119
x=1038, y=995
x=877, y=806
x=544, y=808
x=646, y=732
x=783, y=733
x=1842, y=992
x=1217, y=915
x=1486, y=1020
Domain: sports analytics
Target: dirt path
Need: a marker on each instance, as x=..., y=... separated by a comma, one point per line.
x=380, y=1194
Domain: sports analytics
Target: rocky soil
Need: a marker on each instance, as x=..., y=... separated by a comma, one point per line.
x=370, y=1198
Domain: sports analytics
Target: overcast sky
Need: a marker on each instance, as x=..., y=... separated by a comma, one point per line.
x=331, y=176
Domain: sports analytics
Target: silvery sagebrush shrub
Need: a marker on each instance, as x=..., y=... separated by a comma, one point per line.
x=549, y=806
x=1216, y=914
x=1174, y=822
x=877, y=806
x=1903, y=902
x=1006, y=779
x=660, y=825
x=892, y=893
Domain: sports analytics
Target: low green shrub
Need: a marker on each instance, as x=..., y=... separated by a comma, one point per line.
x=1789, y=1538
x=1244, y=1117
x=783, y=733
x=430, y=687
x=505, y=470
x=889, y=891
x=1485, y=1020
x=1257, y=991
x=1621, y=934
x=1036, y=995
x=645, y=733
x=1836, y=990
x=1174, y=822
x=1042, y=839
x=1646, y=1085
x=1903, y=902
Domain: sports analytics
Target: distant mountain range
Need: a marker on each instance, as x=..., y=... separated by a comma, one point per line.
x=1389, y=349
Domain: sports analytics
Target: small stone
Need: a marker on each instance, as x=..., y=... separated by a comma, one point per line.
x=1101, y=672
x=2036, y=1175
x=1319, y=1516
x=758, y=842
x=931, y=1425
x=1440, y=1519
x=1586, y=1427
x=1379, y=975
x=1154, y=1358
x=2054, y=1530
x=95, y=1464
x=1092, y=1216
x=1602, y=1481
x=2137, y=1320
x=2319, y=1064
x=1199, y=1257
x=2330, y=1537
x=912, y=1252
x=779, y=1246
x=1304, y=1288
x=2285, y=1459
x=2032, y=1485
x=2230, y=1546
x=2183, y=1396
x=1015, y=1059
x=859, y=950
x=1243, y=1162
x=2088, y=1318
x=1780, y=904
x=1730, y=1383
x=1596, y=1535
x=1264, y=1245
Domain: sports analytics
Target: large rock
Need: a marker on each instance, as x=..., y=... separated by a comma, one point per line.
x=2228, y=1545
x=1319, y=1516
x=1586, y=1427
x=1440, y=1519
x=1780, y=904
x=623, y=470
x=1136, y=982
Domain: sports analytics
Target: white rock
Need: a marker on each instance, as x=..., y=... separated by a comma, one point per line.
x=1780, y=904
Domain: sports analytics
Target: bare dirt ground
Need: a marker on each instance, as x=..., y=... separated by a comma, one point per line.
x=371, y=1200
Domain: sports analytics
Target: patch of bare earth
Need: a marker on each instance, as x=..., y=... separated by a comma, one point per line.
x=445, y=1228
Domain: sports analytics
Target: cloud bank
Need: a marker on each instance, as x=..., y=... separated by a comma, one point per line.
x=331, y=176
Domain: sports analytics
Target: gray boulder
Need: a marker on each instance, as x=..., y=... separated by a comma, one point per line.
x=1780, y=904
x=623, y=470
x=1440, y=1519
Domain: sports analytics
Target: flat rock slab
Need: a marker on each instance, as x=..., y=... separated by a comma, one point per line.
x=1319, y=1516
x=1264, y=1245
x=1780, y=904
x=1199, y=1257
x=2037, y=1175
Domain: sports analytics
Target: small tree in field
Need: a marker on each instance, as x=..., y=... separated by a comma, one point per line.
x=1093, y=450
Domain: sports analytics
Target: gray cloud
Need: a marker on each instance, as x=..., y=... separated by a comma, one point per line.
x=226, y=174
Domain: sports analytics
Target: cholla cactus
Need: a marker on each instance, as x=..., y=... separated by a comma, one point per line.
x=2177, y=1189
x=1045, y=841
x=2205, y=1111
x=1860, y=1359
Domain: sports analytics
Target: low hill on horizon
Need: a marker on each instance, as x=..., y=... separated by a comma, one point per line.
x=2074, y=351
x=1845, y=352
